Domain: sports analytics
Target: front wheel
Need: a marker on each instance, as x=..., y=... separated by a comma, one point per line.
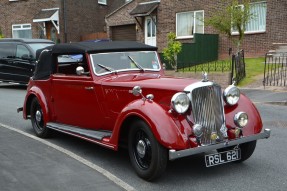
x=37, y=119
x=148, y=157
x=247, y=150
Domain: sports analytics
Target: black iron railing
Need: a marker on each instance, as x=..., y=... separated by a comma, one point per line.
x=275, y=69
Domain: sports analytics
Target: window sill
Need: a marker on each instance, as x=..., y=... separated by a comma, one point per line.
x=184, y=37
x=250, y=32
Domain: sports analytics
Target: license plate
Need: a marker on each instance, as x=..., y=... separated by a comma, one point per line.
x=222, y=157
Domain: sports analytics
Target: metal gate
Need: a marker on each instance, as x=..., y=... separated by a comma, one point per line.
x=275, y=69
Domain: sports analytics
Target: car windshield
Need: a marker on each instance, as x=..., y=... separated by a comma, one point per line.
x=37, y=46
x=105, y=63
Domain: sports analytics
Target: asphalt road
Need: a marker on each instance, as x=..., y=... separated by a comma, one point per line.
x=265, y=170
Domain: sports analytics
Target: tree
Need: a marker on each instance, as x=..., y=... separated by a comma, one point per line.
x=171, y=51
x=233, y=17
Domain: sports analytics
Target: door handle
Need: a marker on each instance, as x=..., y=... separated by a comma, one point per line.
x=89, y=88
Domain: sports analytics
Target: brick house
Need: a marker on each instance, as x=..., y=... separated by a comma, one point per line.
x=150, y=21
x=58, y=20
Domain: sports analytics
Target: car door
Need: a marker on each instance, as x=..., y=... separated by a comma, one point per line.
x=7, y=55
x=24, y=63
x=74, y=98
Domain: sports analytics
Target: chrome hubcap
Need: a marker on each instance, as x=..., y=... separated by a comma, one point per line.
x=38, y=116
x=141, y=148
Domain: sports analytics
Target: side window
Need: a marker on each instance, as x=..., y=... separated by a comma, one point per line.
x=22, y=52
x=7, y=50
x=67, y=64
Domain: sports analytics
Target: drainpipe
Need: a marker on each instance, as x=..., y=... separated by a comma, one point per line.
x=65, y=20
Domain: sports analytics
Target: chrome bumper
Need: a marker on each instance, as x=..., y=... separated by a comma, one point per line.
x=173, y=154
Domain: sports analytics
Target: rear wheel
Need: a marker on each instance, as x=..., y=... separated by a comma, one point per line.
x=37, y=119
x=147, y=156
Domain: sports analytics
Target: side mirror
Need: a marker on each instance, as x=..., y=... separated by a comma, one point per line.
x=26, y=57
x=80, y=71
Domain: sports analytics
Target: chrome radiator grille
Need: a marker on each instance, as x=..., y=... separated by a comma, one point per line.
x=207, y=110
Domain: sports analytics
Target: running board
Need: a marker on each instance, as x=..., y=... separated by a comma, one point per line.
x=79, y=132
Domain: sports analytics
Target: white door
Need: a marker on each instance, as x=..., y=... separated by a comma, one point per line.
x=150, y=31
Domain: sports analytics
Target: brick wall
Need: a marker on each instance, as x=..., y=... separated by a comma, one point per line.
x=253, y=44
x=85, y=18
x=82, y=17
x=22, y=12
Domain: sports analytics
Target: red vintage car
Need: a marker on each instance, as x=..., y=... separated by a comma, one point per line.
x=115, y=94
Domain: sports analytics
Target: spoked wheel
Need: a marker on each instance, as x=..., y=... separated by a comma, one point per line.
x=37, y=119
x=148, y=157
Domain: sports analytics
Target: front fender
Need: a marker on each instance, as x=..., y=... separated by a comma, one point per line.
x=35, y=92
x=167, y=129
x=254, y=125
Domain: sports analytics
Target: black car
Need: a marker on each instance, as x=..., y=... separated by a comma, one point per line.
x=18, y=57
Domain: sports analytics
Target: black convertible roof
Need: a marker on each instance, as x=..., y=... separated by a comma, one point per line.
x=99, y=47
x=46, y=57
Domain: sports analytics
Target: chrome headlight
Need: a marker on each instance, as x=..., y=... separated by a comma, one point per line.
x=231, y=95
x=180, y=102
x=241, y=119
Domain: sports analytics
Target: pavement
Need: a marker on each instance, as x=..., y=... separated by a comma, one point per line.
x=27, y=163
x=266, y=96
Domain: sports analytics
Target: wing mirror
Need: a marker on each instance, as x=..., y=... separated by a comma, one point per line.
x=81, y=71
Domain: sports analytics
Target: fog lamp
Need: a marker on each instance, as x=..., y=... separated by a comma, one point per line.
x=237, y=132
x=213, y=136
x=241, y=119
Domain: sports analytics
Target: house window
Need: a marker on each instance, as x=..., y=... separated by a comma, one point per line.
x=188, y=23
x=258, y=21
x=22, y=31
x=103, y=2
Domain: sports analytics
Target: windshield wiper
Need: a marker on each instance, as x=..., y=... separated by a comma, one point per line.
x=107, y=68
x=137, y=65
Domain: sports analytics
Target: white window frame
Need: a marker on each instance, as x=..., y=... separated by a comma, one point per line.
x=194, y=25
x=253, y=31
x=19, y=27
x=102, y=2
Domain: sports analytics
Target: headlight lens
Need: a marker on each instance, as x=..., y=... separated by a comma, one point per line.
x=180, y=102
x=241, y=119
x=231, y=95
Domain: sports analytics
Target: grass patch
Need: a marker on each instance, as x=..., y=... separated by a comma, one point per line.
x=254, y=67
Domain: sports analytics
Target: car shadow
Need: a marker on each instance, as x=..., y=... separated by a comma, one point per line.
x=12, y=86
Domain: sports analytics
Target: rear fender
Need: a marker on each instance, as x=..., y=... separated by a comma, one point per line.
x=167, y=129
